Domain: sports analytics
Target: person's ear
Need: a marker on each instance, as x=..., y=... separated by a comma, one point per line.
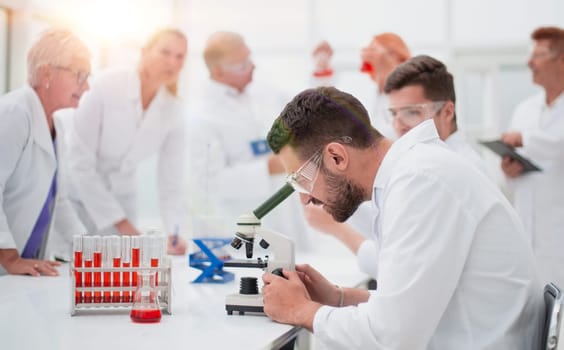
x=447, y=111
x=45, y=76
x=338, y=156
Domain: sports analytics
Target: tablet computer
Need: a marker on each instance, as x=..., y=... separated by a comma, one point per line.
x=504, y=150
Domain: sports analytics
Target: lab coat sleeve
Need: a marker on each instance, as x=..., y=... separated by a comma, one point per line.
x=171, y=178
x=367, y=257
x=214, y=175
x=14, y=135
x=100, y=204
x=543, y=145
x=426, y=237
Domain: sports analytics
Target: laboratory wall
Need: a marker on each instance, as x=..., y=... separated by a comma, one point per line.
x=484, y=42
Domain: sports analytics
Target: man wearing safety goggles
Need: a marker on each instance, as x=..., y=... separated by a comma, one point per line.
x=419, y=90
x=455, y=269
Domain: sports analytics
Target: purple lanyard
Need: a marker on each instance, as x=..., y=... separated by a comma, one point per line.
x=34, y=244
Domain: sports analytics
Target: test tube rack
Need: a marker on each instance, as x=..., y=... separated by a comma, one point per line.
x=163, y=289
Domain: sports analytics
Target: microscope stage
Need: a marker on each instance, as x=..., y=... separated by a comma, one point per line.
x=244, y=303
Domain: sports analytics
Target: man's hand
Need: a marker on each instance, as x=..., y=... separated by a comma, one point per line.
x=16, y=265
x=318, y=287
x=511, y=167
x=320, y=219
x=125, y=227
x=286, y=300
x=512, y=139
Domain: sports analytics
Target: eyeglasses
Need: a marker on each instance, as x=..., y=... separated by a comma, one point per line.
x=81, y=77
x=412, y=115
x=238, y=67
x=303, y=179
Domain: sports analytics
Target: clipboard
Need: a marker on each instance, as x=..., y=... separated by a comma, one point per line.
x=503, y=150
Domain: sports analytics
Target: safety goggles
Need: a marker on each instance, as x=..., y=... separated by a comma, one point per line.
x=239, y=67
x=303, y=179
x=412, y=115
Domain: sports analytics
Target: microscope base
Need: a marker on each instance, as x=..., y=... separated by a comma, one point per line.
x=242, y=303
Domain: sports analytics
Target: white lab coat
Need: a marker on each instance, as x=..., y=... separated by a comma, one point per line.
x=455, y=267
x=111, y=135
x=538, y=197
x=227, y=177
x=27, y=166
x=367, y=254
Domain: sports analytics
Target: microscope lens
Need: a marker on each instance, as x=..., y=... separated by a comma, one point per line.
x=236, y=243
x=249, y=249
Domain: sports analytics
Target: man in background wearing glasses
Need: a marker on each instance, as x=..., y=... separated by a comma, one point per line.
x=455, y=270
x=418, y=90
x=537, y=131
x=232, y=168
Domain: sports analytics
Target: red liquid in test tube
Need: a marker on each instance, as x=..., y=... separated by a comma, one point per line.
x=107, y=263
x=98, y=264
x=77, y=249
x=116, y=253
x=135, y=256
x=125, y=261
x=87, y=251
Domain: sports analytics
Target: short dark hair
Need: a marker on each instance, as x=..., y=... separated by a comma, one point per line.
x=427, y=72
x=316, y=117
x=554, y=34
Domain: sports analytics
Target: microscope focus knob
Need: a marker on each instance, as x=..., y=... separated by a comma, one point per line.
x=264, y=244
x=278, y=272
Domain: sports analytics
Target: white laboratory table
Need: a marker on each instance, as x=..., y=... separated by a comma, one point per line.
x=35, y=312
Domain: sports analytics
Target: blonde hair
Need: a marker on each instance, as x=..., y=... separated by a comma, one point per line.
x=154, y=39
x=56, y=47
x=220, y=45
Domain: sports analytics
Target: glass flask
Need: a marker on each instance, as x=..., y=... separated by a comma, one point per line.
x=145, y=307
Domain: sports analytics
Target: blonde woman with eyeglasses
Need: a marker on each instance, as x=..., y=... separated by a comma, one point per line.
x=129, y=115
x=31, y=183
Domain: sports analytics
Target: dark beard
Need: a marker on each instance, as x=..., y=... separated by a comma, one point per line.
x=344, y=196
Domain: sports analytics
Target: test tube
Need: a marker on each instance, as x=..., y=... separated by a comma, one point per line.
x=116, y=254
x=97, y=258
x=135, y=256
x=107, y=263
x=77, y=249
x=126, y=263
x=87, y=256
x=157, y=248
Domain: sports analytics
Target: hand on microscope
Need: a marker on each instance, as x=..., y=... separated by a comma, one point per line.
x=286, y=299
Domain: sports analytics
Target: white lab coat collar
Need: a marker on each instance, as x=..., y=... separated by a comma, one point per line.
x=556, y=102
x=224, y=89
x=41, y=133
x=133, y=85
x=423, y=132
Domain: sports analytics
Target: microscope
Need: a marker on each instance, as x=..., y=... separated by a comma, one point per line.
x=248, y=227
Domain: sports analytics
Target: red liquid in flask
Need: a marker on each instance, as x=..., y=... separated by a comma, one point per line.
x=145, y=316
x=97, y=276
x=78, y=276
